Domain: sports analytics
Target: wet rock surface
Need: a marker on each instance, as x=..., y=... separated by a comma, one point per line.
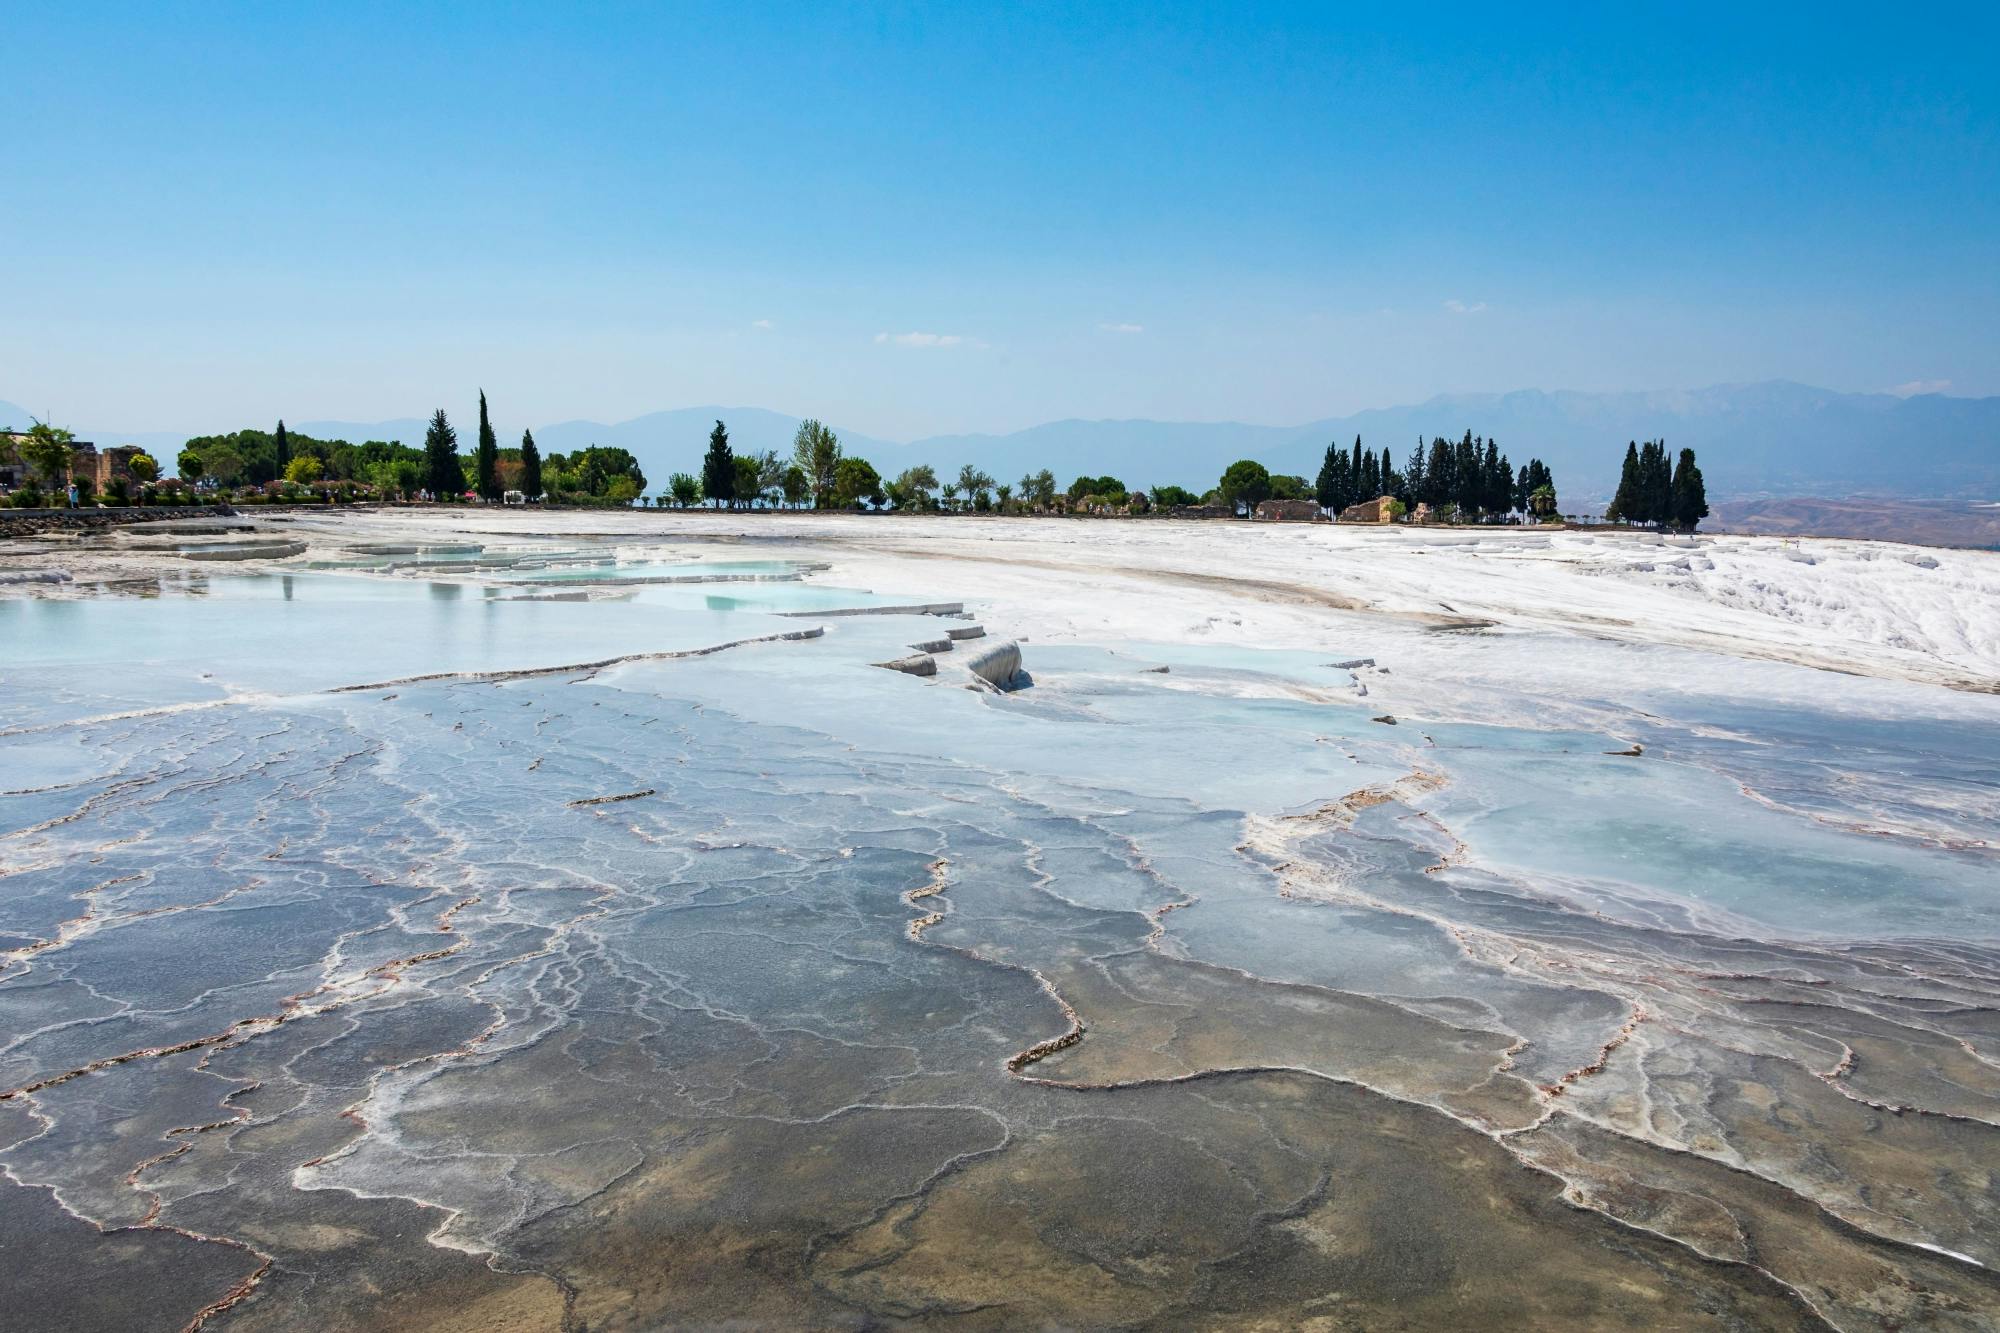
x=760, y=986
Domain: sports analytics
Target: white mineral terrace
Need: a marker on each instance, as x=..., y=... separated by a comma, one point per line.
x=500, y=919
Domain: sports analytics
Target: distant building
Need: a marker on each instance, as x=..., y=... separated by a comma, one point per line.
x=1202, y=511
x=85, y=463
x=1289, y=511
x=1382, y=509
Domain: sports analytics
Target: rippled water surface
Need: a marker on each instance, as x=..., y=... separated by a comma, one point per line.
x=573, y=976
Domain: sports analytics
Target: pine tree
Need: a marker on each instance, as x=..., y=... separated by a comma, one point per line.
x=718, y=467
x=1391, y=483
x=282, y=443
x=1492, y=495
x=1371, y=475
x=1690, y=496
x=1625, y=501
x=443, y=477
x=488, y=459
x=531, y=466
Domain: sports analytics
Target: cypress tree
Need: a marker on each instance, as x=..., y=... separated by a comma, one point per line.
x=1662, y=485
x=1690, y=496
x=1492, y=495
x=443, y=478
x=1330, y=488
x=531, y=466
x=488, y=460
x=1626, y=499
x=283, y=444
x=1414, y=480
x=718, y=467
x=1466, y=490
x=1390, y=481
x=1440, y=484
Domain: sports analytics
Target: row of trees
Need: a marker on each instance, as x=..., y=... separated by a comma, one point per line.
x=1652, y=491
x=821, y=474
x=258, y=458
x=1469, y=479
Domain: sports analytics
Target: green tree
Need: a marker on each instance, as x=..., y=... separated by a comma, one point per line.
x=974, y=483
x=816, y=450
x=1330, y=488
x=1659, y=486
x=718, y=467
x=188, y=466
x=221, y=461
x=747, y=474
x=1006, y=495
x=144, y=467
x=47, y=450
x=407, y=475
x=1245, y=485
x=771, y=476
x=686, y=488
x=795, y=485
x=1041, y=488
x=281, y=445
x=531, y=466
x=1690, y=495
x=1625, y=500
x=303, y=470
x=855, y=481
x=442, y=475
x=487, y=475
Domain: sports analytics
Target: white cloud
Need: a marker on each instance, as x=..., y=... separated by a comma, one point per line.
x=921, y=339
x=1458, y=307
x=1915, y=387
x=1122, y=328
x=762, y=325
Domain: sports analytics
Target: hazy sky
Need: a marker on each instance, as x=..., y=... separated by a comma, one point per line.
x=977, y=217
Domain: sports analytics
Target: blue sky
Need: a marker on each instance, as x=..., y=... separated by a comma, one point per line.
x=942, y=218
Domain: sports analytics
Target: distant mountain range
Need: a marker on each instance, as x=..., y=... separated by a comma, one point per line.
x=1772, y=438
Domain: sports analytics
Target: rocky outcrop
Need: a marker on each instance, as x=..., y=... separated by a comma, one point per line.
x=29, y=522
x=999, y=665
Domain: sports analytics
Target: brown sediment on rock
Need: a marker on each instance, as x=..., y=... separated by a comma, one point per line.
x=614, y=799
x=1043, y=1049
x=916, y=664
x=237, y=1294
x=1159, y=915
x=1618, y=1038
x=290, y=1008
x=938, y=879
x=574, y=668
x=1342, y=812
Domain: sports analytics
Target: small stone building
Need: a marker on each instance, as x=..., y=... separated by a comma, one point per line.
x=1288, y=511
x=1382, y=509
